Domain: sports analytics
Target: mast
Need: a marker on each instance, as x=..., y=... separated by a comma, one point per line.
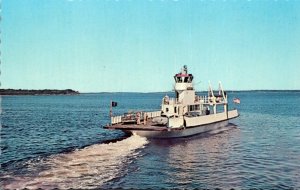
x=225, y=99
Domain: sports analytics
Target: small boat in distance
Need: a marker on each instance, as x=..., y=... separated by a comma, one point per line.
x=185, y=115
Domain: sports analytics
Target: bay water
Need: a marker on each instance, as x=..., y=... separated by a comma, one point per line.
x=59, y=142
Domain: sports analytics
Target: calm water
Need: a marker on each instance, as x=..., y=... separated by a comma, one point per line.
x=58, y=141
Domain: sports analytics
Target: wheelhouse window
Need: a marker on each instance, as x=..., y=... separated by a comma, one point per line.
x=185, y=78
x=178, y=79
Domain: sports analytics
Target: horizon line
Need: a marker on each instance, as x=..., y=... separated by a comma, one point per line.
x=86, y=92
x=195, y=91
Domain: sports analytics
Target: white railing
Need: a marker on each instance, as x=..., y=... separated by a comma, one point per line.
x=203, y=99
x=118, y=119
x=153, y=114
x=170, y=101
x=209, y=100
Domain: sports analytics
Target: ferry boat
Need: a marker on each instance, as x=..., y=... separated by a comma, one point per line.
x=185, y=115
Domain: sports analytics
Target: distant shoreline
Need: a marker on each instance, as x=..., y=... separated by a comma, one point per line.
x=37, y=92
x=229, y=91
x=13, y=92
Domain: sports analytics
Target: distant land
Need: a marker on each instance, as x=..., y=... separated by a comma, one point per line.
x=205, y=91
x=37, y=92
x=73, y=92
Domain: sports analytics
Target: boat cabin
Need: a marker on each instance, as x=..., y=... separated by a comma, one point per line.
x=186, y=102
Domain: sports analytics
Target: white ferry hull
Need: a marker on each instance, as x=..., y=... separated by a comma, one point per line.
x=193, y=126
x=190, y=131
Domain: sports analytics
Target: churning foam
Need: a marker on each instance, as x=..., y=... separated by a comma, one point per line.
x=89, y=167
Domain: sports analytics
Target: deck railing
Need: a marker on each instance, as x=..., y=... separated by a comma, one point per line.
x=153, y=114
x=118, y=119
x=209, y=100
x=170, y=101
x=203, y=99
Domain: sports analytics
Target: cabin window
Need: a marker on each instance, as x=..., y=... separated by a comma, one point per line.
x=167, y=109
x=185, y=79
x=194, y=107
x=175, y=109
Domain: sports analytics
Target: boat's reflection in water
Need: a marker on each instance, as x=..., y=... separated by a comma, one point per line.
x=200, y=158
x=186, y=140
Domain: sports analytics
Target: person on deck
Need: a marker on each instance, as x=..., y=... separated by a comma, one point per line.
x=138, y=118
x=145, y=118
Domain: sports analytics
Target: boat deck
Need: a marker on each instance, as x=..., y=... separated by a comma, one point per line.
x=148, y=127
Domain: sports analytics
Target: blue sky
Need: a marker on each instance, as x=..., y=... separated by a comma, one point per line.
x=102, y=45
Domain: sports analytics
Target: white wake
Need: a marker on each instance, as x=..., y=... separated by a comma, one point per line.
x=89, y=167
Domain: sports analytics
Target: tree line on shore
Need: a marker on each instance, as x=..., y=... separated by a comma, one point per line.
x=37, y=92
